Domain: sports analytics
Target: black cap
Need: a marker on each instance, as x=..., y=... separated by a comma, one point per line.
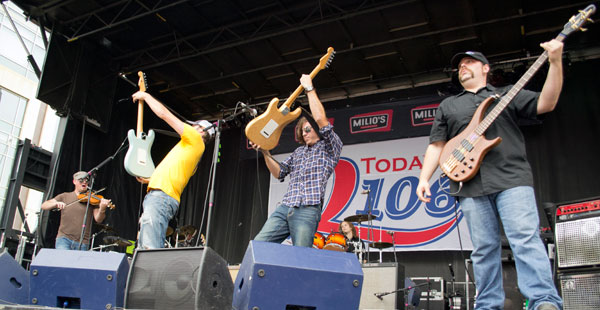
x=476, y=55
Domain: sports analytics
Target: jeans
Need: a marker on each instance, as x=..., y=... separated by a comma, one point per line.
x=64, y=243
x=298, y=222
x=518, y=213
x=159, y=208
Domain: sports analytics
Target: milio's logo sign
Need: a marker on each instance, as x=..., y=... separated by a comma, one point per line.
x=423, y=115
x=371, y=122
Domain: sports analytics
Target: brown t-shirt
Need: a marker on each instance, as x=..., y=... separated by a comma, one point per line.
x=71, y=218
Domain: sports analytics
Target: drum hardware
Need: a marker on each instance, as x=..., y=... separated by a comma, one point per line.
x=185, y=234
x=116, y=241
x=103, y=228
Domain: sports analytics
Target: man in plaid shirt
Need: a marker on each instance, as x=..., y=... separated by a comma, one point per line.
x=309, y=167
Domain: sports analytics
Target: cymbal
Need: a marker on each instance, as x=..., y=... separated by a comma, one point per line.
x=187, y=230
x=116, y=241
x=359, y=218
x=104, y=227
x=381, y=245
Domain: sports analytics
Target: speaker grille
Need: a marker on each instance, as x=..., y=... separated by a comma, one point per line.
x=580, y=291
x=578, y=242
x=182, y=278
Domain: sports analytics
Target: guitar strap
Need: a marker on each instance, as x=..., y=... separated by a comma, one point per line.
x=312, y=122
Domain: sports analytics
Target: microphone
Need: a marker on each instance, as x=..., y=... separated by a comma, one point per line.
x=451, y=270
x=248, y=109
x=366, y=191
x=378, y=295
x=389, y=232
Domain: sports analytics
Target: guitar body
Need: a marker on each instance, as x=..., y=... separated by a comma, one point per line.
x=265, y=130
x=138, y=161
x=462, y=155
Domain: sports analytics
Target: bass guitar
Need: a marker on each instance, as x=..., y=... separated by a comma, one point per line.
x=138, y=160
x=265, y=130
x=461, y=157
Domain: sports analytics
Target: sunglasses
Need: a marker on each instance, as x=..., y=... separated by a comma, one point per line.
x=307, y=129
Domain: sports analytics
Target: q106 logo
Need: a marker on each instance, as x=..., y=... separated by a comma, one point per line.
x=413, y=222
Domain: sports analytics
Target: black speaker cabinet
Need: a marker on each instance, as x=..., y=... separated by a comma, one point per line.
x=580, y=290
x=179, y=278
x=382, y=278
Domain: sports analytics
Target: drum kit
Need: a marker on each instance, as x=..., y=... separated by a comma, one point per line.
x=111, y=242
x=179, y=237
x=336, y=241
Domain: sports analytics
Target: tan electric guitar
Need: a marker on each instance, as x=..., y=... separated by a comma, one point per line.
x=265, y=130
x=462, y=155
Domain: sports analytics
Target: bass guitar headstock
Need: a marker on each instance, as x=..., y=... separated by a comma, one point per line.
x=576, y=22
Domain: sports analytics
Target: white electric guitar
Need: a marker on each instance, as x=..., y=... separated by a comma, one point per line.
x=138, y=160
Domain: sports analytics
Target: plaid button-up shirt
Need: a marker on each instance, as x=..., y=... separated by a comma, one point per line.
x=309, y=168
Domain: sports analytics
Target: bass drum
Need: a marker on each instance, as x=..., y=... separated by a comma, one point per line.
x=336, y=242
x=318, y=241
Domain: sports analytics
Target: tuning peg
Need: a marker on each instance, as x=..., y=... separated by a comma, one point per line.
x=589, y=20
x=583, y=29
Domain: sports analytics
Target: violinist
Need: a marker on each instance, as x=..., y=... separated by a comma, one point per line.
x=72, y=210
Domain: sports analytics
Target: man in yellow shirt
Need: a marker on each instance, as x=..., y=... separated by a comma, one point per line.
x=172, y=174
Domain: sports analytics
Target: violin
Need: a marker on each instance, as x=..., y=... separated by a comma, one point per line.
x=94, y=199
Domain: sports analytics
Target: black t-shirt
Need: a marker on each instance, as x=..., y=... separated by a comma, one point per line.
x=505, y=165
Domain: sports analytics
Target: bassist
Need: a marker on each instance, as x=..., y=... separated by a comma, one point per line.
x=503, y=187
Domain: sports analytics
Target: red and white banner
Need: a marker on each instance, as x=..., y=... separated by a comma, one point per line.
x=389, y=171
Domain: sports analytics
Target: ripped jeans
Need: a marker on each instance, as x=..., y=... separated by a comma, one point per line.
x=159, y=208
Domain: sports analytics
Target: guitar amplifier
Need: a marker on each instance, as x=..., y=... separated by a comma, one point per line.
x=579, y=290
x=578, y=233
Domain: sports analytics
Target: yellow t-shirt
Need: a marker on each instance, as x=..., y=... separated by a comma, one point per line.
x=175, y=170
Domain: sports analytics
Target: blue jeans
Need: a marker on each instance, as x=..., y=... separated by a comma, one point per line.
x=64, y=243
x=159, y=208
x=298, y=222
x=518, y=212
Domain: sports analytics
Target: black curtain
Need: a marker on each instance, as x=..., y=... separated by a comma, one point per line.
x=562, y=152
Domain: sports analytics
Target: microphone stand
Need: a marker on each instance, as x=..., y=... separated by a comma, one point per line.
x=370, y=223
x=92, y=176
x=215, y=159
x=404, y=290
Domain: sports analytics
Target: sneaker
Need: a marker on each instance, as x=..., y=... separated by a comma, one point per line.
x=547, y=306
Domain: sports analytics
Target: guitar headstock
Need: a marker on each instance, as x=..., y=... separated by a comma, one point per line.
x=577, y=21
x=142, y=82
x=326, y=60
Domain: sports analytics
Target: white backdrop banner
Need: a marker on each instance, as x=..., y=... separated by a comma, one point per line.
x=389, y=172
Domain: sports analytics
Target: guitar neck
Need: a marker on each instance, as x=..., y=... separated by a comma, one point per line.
x=506, y=99
x=299, y=90
x=140, y=119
